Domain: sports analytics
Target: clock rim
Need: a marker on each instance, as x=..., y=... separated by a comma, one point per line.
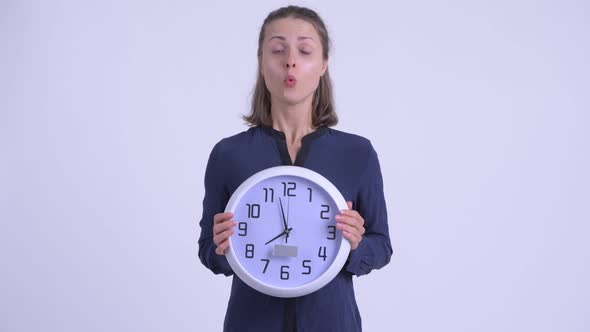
x=343, y=250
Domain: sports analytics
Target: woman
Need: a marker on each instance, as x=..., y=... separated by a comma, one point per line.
x=292, y=110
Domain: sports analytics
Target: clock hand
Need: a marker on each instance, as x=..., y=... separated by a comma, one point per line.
x=286, y=231
x=287, y=221
x=283, y=214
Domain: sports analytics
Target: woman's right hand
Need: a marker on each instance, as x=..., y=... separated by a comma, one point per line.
x=222, y=230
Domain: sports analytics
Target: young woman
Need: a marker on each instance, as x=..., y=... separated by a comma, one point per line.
x=292, y=112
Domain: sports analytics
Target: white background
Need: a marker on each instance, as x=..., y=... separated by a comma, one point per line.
x=479, y=111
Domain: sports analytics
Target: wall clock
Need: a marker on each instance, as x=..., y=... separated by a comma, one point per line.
x=286, y=243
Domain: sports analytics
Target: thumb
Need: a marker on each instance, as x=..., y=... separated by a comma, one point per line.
x=349, y=203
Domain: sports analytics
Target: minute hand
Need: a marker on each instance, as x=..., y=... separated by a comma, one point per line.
x=283, y=214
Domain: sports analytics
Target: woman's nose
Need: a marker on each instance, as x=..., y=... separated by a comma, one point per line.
x=291, y=60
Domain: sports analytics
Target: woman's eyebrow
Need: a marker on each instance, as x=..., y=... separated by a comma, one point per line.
x=283, y=38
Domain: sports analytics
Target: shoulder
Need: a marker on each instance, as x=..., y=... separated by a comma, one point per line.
x=361, y=148
x=351, y=142
x=231, y=143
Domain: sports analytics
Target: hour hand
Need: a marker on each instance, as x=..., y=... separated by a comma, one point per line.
x=285, y=232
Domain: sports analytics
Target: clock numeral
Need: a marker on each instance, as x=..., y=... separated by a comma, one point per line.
x=253, y=211
x=249, y=250
x=322, y=253
x=243, y=227
x=308, y=267
x=284, y=272
x=265, y=265
x=331, y=233
x=287, y=191
x=272, y=194
x=309, y=194
x=327, y=210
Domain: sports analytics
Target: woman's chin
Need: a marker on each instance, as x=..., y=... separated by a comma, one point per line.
x=290, y=98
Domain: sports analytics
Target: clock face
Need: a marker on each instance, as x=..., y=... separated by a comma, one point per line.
x=286, y=242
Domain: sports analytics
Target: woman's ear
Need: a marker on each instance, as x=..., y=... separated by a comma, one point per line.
x=324, y=67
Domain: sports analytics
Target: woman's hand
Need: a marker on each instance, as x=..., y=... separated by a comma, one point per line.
x=222, y=230
x=351, y=223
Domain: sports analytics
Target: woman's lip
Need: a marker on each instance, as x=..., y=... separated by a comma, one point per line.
x=290, y=81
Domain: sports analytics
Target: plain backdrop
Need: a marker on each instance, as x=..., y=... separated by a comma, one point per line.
x=479, y=111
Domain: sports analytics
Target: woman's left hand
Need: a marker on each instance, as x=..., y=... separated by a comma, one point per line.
x=352, y=225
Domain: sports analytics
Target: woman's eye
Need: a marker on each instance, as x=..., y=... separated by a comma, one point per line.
x=282, y=51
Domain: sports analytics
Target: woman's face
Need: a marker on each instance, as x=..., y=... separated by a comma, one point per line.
x=292, y=60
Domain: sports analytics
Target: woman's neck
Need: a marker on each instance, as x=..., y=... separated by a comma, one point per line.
x=293, y=120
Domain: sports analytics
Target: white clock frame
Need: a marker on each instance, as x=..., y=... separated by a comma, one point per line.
x=332, y=270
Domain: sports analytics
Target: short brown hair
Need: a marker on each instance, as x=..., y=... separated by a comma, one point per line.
x=323, y=112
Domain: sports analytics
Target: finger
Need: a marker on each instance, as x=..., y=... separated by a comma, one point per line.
x=221, y=237
x=221, y=217
x=359, y=229
x=349, y=229
x=349, y=203
x=354, y=239
x=349, y=220
x=220, y=250
x=352, y=213
x=219, y=228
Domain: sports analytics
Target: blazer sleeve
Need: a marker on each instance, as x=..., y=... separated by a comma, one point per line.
x=216, y=197
x=374, y=250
